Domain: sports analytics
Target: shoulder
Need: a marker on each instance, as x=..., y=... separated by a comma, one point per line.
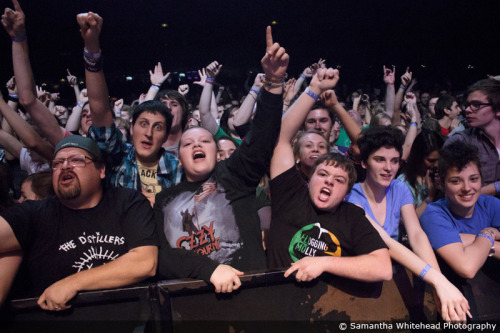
x=356, y=195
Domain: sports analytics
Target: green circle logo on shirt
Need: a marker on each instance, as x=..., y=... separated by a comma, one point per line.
x=312, y=241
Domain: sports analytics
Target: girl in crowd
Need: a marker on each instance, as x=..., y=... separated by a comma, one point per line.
x=309, y=145
x=420, y=169
x=386, y=200
x=213, y=212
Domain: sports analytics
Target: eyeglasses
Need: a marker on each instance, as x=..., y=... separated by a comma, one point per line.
x=475, y=106
x=75, y=161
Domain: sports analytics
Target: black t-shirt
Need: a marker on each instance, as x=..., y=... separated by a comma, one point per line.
x=298, y=229
x=218, y=217
x=58, y=241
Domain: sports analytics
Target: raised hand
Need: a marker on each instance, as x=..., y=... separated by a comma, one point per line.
x=406, y=77
x=82, y=97
x=118, y=105
x=307, y=72
x=11, y=86
x=290, y=91
x=14, y=21
x=390, y=75
x=275, y=61
x=54, y=97
x=324, y=79
x=157, y=77
x=183, y=89
x=213, y=69
x=203, y=77
x=90, y=27
x=72, y=80
x=329, y=98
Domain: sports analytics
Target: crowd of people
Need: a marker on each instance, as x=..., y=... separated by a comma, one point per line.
x=305, y=180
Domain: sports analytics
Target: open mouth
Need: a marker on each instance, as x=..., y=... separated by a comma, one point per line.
x=314, y=157
x=66, y=178
x=467, y=197
x=198, y=155
x=324, y=194
x=146, y=144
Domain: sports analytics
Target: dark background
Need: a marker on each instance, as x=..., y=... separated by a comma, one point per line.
x=441, y=41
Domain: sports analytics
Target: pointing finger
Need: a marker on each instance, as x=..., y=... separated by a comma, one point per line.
x=269, y=37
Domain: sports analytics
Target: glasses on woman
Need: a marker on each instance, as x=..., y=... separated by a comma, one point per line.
x=75, y=161
x=475, y=106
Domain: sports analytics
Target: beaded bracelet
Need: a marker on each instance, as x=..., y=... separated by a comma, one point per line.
x=487, y=236
x=424, y=271
x=311, y=94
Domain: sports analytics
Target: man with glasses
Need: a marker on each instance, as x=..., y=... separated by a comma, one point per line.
x=84, y=238
x=483, y=116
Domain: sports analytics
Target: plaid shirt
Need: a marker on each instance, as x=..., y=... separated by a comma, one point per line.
x=121, y=164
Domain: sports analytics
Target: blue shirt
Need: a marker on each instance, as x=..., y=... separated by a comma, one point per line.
x=397, y=195
x=443, y=227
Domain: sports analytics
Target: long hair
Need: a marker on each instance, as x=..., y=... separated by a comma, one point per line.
x=425, y=143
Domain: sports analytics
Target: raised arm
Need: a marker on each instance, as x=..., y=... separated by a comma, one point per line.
x=73, y=123
x=352, y=128
x=295, y=116
x=157, y=78
x=97, y=89
x=389, y=79
x=207, y=119
x=25, y=132
x=398, y=100
x=411, y=105
x=14, y=23
x=245, y=112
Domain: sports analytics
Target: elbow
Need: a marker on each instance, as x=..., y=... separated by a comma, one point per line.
x=386, y=269
x=466, y=272
x=28, y=101
x=150, y=270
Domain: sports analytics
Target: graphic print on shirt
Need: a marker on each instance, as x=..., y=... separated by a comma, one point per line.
x=314, y=241
x=93, y=249
x=203, y=222
x=149, y=182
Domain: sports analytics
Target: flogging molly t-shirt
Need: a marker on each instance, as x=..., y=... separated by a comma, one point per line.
x=58, y=241
x=299, y=230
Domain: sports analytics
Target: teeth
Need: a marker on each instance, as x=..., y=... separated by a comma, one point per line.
x=314, y=157
x=325, y=190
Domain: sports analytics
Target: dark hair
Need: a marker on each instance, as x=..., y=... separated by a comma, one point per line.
x=224, y=119
x=425, y=143
x=228, y=138
x=337, y=160
x=457, y=155
x=443, y=102
x=154, y=107
x=489, y=87
x=41, y=184
x=179, y=98
x=374, y=138
x=300, y=135
x=320, y=105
